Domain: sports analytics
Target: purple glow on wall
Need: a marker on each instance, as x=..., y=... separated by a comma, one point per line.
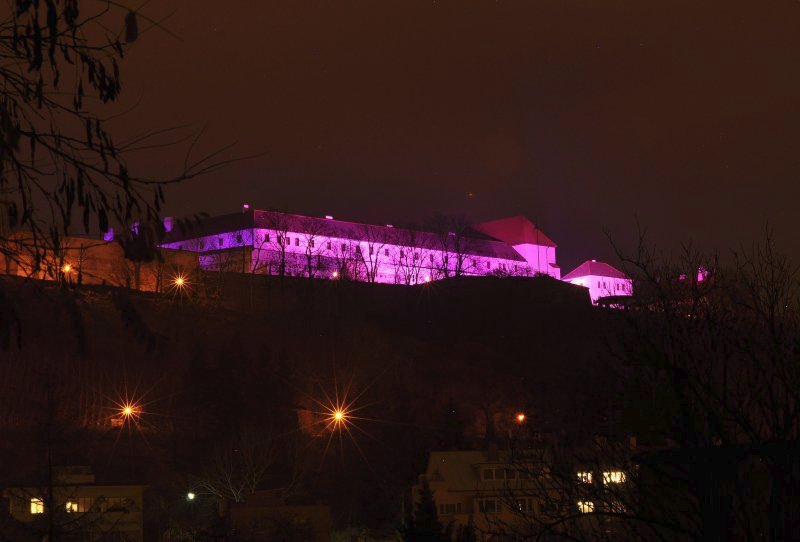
x=282, y=244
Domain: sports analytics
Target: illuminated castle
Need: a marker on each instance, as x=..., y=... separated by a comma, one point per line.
x=275, y=243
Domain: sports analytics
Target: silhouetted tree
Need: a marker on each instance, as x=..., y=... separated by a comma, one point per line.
x=424, y=525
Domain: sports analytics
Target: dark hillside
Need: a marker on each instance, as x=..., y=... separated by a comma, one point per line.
x=429, y=366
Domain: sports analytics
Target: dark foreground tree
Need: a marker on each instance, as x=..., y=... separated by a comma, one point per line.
x=61, y=170
x=424, y=525
x=708, y=385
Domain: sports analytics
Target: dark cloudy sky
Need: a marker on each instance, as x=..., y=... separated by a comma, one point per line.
x=583, y=115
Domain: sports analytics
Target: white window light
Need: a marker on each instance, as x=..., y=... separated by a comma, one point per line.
x=37, y=506
x=613, y=477
x=585, y=477
x=585, y=507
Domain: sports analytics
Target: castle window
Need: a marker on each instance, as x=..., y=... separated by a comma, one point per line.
x=329, y=245
x=311, y=243
x=344, y=247
x=239, y=238
x=370, y=251
x=585, y=477
x=386, y=251
x=297, y=241
x=431, y=258
x=220, y=241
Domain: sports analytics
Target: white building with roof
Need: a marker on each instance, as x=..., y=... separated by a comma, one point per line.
x=277, y=243
x=601, y=279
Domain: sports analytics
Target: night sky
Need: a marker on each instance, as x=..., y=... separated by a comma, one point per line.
x=582, y=115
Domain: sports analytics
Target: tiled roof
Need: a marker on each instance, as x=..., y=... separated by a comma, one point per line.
x=594, y=268
x=380, y=234
x=515, y=230
x=212, y=225
x=485, y=247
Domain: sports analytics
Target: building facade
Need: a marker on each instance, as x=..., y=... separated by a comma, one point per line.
x=76, y=507
x=275, y=243
x=601, y=279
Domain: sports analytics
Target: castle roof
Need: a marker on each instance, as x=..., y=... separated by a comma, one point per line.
x=515, y=230
x=596, y=269
x=477, y=244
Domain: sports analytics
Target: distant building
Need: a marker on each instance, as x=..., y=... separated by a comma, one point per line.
x=79, y=508
x=475, y=488
x=275, y=243
x=87, y=260
x=497, y=493
x=601, y=279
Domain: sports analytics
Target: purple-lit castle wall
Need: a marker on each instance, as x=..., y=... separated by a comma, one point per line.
x=281, y=244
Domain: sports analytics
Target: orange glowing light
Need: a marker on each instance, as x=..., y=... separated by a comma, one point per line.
x=66, y=268
x=521, y=418
x=179, y=283
x=335, y=274
x=338, y=415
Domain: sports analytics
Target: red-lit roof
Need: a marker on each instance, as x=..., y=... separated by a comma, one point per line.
x=597, y=269
x=515, y=230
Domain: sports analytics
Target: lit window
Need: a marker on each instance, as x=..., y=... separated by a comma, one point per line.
x=613, y=477
x=78, y=504
x=585, y=477
x=585, y=507
x=524, y=505
x=37, y=506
